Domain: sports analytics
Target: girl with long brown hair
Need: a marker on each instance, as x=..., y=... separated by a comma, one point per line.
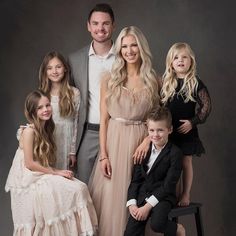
x=45, y=200
x=54, y=80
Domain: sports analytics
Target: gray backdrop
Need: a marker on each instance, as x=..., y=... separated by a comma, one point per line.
x=29, y=29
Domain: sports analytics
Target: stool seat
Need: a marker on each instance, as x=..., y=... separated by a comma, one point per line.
x=192, y=208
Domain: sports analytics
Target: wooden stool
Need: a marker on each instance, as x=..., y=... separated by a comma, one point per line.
x=193, y=208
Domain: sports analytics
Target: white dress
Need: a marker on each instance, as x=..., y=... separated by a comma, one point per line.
x=65, y=130
x=48, y=205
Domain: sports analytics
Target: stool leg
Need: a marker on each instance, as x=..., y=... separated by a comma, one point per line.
x=198, y=220
x=175, y=219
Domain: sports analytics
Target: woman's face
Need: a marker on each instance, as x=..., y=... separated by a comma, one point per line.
x=130, y=50
x=55, y=70
x=44, y=109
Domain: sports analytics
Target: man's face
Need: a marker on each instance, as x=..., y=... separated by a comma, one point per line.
x=100, y=26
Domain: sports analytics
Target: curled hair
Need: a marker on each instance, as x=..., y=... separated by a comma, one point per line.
x=66, y=102
x=146, y=72
x=190, y=82
x=162, y=113
x=44, y=146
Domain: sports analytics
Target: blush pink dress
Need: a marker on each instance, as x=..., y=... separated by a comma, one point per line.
x=126, y=130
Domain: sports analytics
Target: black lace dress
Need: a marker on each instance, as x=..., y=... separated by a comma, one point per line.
x=196, y=112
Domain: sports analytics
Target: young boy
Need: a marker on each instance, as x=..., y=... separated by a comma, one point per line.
x=152, y=191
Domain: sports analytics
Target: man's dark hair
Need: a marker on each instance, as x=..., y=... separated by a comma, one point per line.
x=159, y=114
x=102, y=7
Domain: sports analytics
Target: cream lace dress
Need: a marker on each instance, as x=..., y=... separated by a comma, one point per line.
x=48, y=205
x=65, y=131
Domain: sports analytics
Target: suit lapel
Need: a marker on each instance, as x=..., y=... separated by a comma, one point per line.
x=84, y=81
x=146, y=159
x=161, y=155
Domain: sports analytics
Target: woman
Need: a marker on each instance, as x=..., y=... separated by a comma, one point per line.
x=127, y=95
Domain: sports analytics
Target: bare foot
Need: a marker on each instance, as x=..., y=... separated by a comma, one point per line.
x=180, y=230
x=184, y=200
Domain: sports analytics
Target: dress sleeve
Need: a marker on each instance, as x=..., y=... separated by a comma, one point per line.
x=75, y=121
x=203, y=108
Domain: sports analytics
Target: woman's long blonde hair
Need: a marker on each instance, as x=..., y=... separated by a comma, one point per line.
x=190, y=82
x=66, y=102
x=146, y=72
x=44, y=146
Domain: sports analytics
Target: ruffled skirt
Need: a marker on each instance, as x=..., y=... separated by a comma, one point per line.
x=48, y=205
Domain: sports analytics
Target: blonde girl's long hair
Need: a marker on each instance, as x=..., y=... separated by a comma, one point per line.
x=44, y=148
x=146, y=72
x=190, y=82
x=66, y=95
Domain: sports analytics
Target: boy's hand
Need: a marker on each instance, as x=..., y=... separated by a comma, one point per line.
x=185, y=127
x=133, y=211
x=143, y=212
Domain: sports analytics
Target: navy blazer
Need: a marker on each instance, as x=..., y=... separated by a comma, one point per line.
x=162, y=178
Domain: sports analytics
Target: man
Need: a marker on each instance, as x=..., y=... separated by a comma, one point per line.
x=87, y=66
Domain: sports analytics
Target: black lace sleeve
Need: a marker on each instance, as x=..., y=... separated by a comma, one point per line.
x=203, y=108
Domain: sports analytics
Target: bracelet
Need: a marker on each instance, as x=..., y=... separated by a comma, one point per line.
x=103, y=158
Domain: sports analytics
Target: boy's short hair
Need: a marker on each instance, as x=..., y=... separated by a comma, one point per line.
x=159, y=114
x=102, y=7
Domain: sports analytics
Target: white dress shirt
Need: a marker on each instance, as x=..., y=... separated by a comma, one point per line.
x=97, y=66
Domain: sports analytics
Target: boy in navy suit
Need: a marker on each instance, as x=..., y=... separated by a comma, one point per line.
x=152, y=191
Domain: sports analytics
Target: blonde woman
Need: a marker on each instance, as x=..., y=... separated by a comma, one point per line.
x=65, y=100
x=127, y=95
x=182, y=93
x=45, y=200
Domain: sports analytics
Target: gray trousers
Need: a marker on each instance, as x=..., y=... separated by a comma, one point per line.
x=87, y=154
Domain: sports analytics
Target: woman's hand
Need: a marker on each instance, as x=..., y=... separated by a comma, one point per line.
x=141, y=151
x=185, y=127
x=106, y=167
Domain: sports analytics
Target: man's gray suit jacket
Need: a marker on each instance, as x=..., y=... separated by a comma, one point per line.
x=79, y=74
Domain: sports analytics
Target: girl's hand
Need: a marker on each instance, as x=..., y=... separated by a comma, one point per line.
x=185, y=127
x=106, y=167
x=141, y=151
x=72, y=160
x=65, y=173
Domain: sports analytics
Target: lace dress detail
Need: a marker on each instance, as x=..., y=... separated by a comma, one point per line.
x=203, y=107
x=48, y=205
x=196, y=111
x=65, y=130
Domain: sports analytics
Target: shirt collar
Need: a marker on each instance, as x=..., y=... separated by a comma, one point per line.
x=111, y=51
x=155, y=150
